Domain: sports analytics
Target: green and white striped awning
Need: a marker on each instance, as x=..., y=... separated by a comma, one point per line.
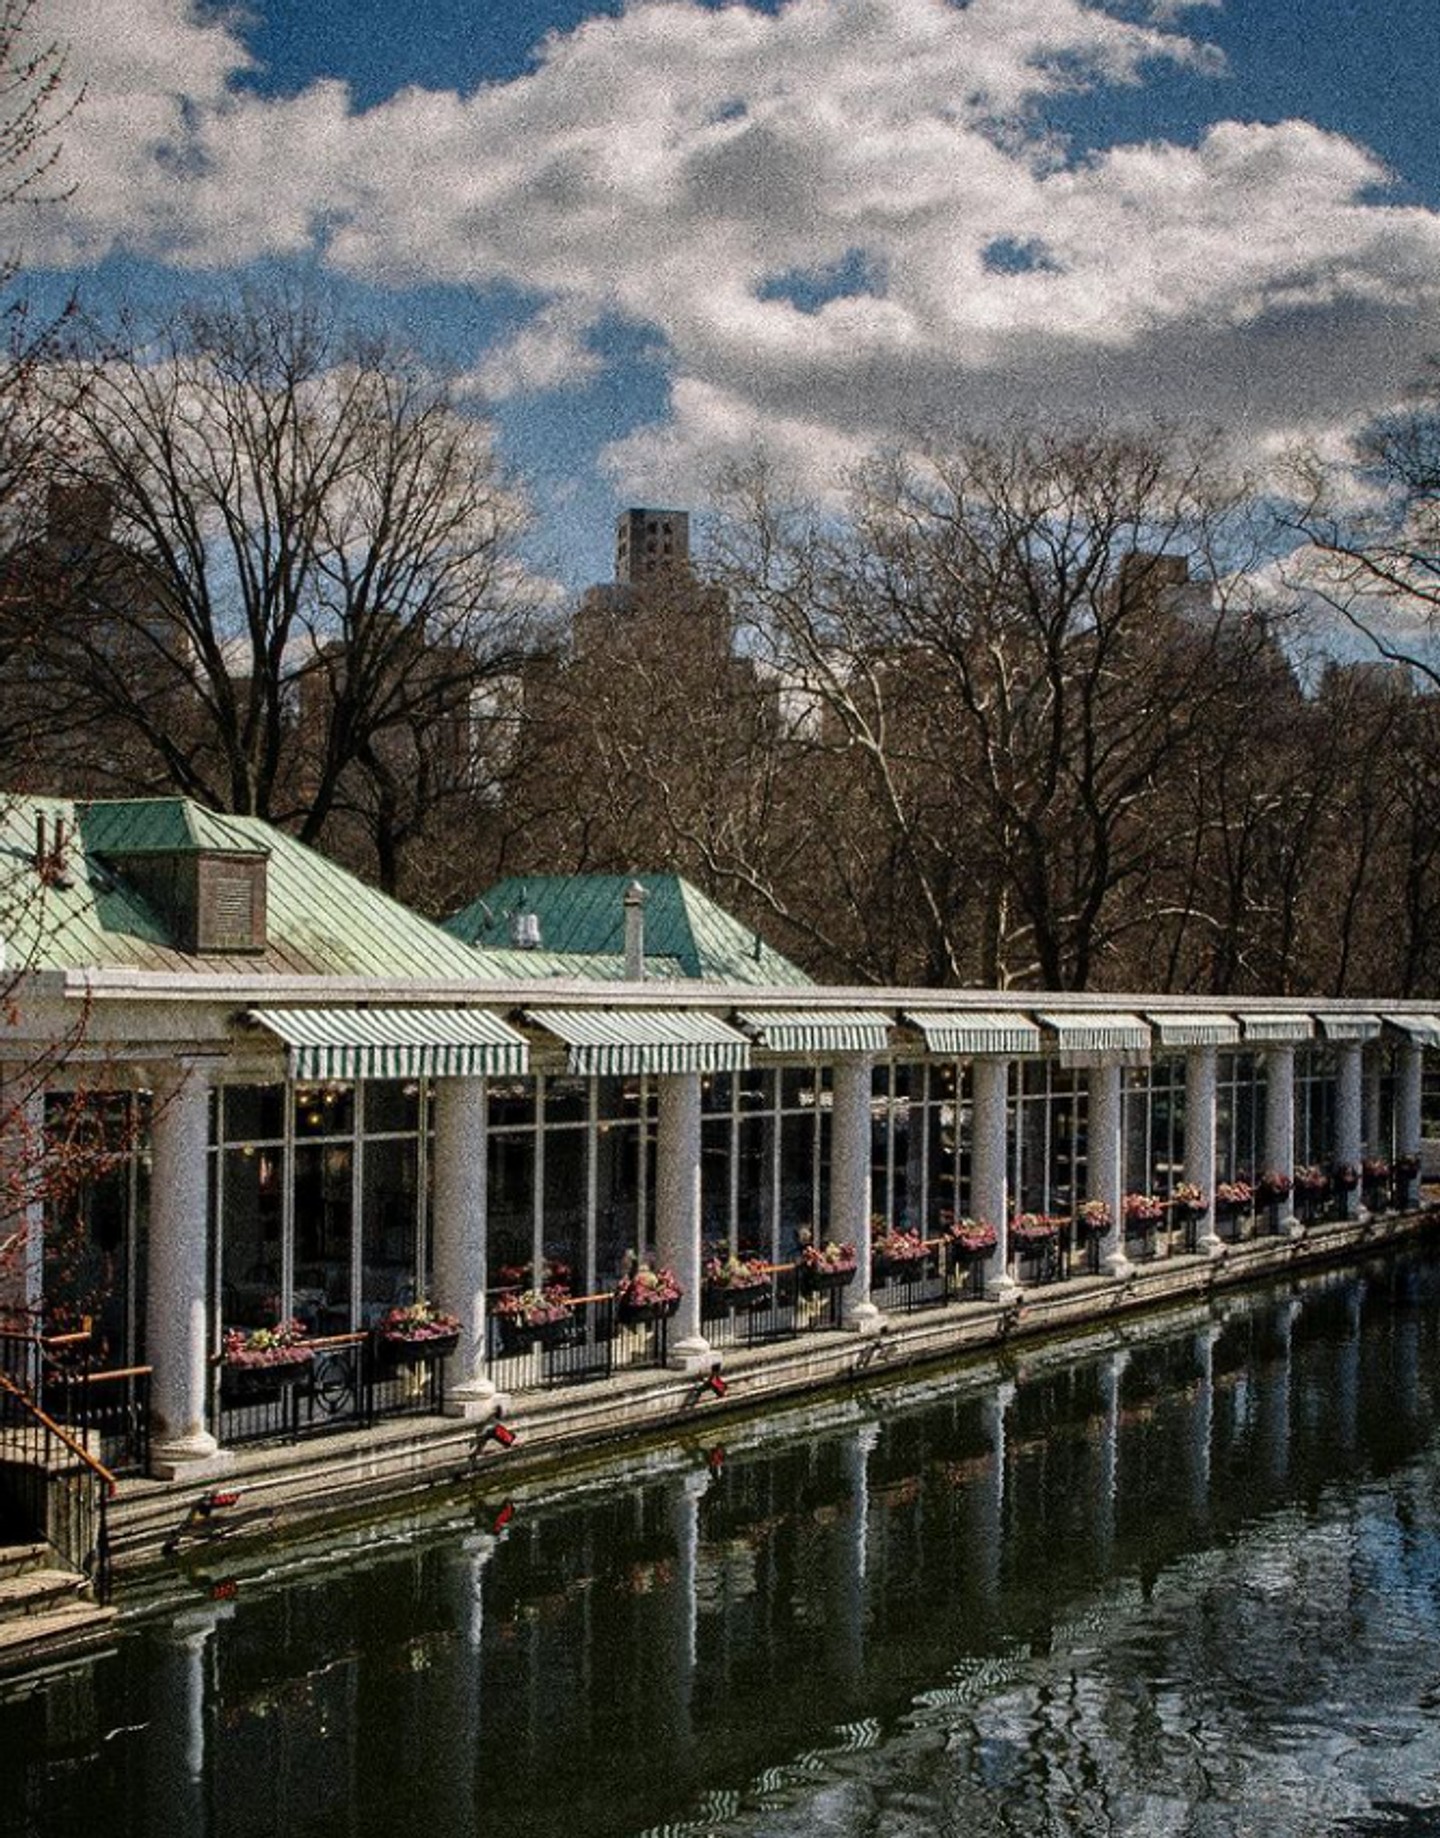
x=1349, y=1027
x=960, y=1033
x=1196, y=1030
x=1275, y=1030
x=396, y=1043
x=817, y=1031
x=603, y=1042
x=1424, y=1030
x=1099, y=1033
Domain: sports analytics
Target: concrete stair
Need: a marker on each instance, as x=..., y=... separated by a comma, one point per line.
x=46, y=1613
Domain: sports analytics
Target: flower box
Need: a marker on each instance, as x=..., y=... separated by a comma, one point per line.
x=827, y=1267
x=648, y=1293
x=397, y=1350
x=253, y=1382
x=974, y=1238
x=532, y=1317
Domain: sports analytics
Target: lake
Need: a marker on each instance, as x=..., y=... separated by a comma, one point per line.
x=1184, y=1580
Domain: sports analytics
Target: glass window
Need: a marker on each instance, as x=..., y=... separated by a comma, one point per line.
x=389, y=1226
x=511, y=1103
x=254, y=1113
x=324, y=1218
x=324, y=1110
x=510, y=1173
x=392, y=1106
x=251, y=1255
x=567, y=1100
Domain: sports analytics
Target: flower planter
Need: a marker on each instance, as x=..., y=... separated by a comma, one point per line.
x=815, y=1281
x=736, y=1299
x=521, y=1336
x=398, y=1350
x=261, y=1384
x=641, y=1314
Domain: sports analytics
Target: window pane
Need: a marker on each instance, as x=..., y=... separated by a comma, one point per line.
x=324, y=1215
x=250, y=1237
x=389, y=1227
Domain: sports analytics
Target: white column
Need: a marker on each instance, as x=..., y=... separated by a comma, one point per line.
x=22, y=1232
x=989, y=1200
x=1347, y=1117
x=850, y=1183
x=1106, y=1169
x=1370, y=1081
x=677, y=1209
x=1409, y=1075
x=1200, y=1133
x=460, y=1239
x=1280, y=1127
x=176, y=1324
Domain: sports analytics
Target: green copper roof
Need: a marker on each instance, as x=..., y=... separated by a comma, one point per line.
x=322, y=920
x=583, y=914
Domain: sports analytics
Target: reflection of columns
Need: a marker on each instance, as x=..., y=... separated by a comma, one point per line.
x=990, y=1091
x=176, y=1729
x=1106, y=1172
x=441, y=1740
x=1112, y=1371
x=677, y=1209
x=854, y=1550
x=1200, y=1132
x=459, y=1243
x=176, y=1331
x=1280, y=1124
x=850, y=1182
x=1347, y=1379
x=1203, y=1420
x=1409, y=1073
x=684, y=1497
x=1347, y=1117
x=1274, y=1404
x=993, y=1537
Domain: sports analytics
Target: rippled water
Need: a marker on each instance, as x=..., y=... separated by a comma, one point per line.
x=1188, y=1583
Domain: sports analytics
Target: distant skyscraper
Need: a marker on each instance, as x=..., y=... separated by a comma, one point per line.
x=650, y=542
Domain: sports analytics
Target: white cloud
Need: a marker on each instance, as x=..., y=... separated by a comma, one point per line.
x=667, y=166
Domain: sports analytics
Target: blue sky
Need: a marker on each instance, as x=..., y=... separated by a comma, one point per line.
x=656, y=237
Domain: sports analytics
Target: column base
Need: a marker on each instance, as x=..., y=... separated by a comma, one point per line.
x=1292, y=1228
x=198, y=1458
x=1004, y=1290
x=1116, y=1264
x=693, y=1354
x=1211, y=1245
x=474, y=1399
x=865, y=1318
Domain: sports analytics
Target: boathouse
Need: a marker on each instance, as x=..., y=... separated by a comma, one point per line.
x=347, y=1166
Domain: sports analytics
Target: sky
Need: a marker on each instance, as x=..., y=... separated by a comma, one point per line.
x=654, y=237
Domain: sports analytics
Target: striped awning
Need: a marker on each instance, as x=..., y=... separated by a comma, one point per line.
x=794, y=1030
x=1349, y=1027
x=1275, y=1030
x=1195, y=1030
x=395, y=1043
x=1099, y=1033
x=962, y=1032
x=1424, y=1030
x=602, y=1042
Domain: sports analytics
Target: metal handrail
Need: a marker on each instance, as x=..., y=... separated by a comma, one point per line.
x=91, y=1557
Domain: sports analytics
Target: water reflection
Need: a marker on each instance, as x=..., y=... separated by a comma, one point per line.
x=1188, y=1583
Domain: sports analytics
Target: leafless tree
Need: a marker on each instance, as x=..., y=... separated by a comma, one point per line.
x=282, y=568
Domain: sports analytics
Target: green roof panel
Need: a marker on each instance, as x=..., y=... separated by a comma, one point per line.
x=584, y=914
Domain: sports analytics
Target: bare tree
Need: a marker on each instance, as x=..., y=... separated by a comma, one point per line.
x=282, y=554
x=1009, y=636
x=1372, y=526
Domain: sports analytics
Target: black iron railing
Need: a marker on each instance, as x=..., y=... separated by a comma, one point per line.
x=56, y=1487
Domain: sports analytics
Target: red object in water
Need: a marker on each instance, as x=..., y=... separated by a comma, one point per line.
x=503, y=1435
x=226, y=1591
x=716, y=1459
x=505, y=1515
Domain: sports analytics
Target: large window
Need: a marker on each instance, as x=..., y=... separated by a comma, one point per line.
x=1049, y=1144
x=1239, y=1116
x=1154, y=1126
x=1315, y=1069
x=320, y=1202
